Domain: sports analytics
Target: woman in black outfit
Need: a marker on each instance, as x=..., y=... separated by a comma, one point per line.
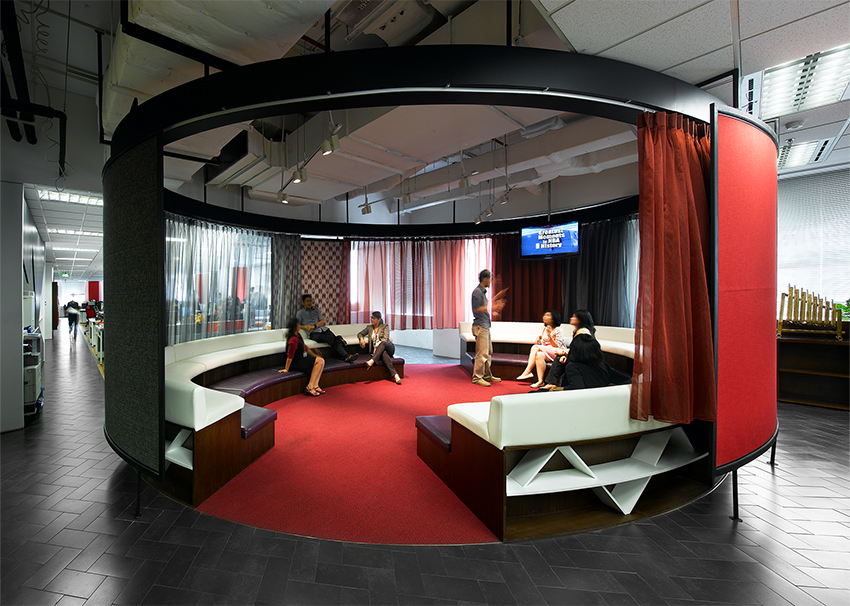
x=301, y=358
x=582, y=323
x=585, y=366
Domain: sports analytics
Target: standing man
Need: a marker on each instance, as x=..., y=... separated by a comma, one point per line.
x=481, y=374
x=313, y=321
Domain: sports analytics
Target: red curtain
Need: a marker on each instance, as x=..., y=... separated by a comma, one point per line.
x=532, y=286
x=674, y=360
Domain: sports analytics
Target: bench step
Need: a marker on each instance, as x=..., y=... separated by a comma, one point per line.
x=254, y=418
x=438, y=428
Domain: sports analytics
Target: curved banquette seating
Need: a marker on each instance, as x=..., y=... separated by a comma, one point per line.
x=538, y=464
x=215, y=391
x=513, y=340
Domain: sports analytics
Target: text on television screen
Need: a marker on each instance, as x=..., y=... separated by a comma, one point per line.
x=549, y=240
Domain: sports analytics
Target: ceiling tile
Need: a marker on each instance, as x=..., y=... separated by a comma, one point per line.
x=722, y=91
x=552, y=5
x=705, y=67
x=592, y=26
x=758, y=16
x=698, y=32
x=824, y=31
x=434, y=131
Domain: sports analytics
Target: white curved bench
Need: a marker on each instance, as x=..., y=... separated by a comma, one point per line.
x=613, y=339
x=491, y=452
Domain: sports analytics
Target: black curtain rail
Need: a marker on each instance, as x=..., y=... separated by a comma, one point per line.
x=187, y=207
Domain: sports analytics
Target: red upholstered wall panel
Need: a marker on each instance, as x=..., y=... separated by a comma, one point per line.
x=93, y=291
x=746, y=327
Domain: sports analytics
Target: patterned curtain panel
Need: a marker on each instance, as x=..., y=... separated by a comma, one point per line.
x=286, y=278
x=218, y=279
x=324, y=274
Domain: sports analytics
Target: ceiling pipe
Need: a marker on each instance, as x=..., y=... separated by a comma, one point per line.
x=12, y=42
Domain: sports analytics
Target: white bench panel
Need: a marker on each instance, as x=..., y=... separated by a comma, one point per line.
x=473, y=416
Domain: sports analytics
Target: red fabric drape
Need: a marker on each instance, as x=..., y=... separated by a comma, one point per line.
x=532, y=286
x=449, y=291
x=674, y=360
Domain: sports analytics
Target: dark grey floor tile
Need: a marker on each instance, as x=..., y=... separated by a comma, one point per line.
x=206, y=580
x=304, y=561
x=298, y=592
x=715, y=590
x=356, y=555
x=520, y=584
x=75, y=583
x=245, y=563
x=115, y=566
x=138, y=587
x=496, y=594
x=408, y=577
x=445, y=588
x=342, y=575
x=467, y=568
x=164, y=596
x=172, y=574
x=382, y=587
x=557, y=596
x=274, y=581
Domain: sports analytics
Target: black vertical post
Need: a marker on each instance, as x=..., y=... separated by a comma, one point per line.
x=734, y=517
x=508, y=18
x=736, y=76
x=138, y=514
x=100, y=85
x=328, y=31
x=773, y=454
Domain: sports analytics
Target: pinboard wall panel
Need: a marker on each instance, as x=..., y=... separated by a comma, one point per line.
x=746, y=288
x=321, y=276
x=133, y=248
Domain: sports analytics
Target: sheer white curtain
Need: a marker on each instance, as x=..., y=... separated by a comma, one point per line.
x=218, y=279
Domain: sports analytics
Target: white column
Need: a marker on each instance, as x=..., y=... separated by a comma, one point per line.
x=11, y=256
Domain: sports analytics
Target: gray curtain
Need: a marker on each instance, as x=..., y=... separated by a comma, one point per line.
x=604, y=278
x=286, y=278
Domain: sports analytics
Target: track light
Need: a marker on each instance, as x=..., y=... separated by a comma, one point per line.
x=405, y=199
x=504, y=199
x=330, y=145
x=366, y=210
x=463, y=183
x=299, y=175
x=478, y=219
x=282, y=197
x=489, y=211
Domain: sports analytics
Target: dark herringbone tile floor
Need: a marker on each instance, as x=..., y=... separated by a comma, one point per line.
x=69, y=537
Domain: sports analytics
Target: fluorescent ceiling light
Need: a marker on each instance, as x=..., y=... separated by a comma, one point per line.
x=67, y=249
x=796, y=154
x=74, y=232
x=813, y=81
x=72, y=198
x=71, y=259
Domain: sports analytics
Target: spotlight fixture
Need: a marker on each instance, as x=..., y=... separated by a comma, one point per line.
x=330, y=145
x=299, y=175
x=366, y=210
x=405, y=199
x=463, y=183
x=504, y=199
x=282, y=197
x=489, y=211
x=478, y=219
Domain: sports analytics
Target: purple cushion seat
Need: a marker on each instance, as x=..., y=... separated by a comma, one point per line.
x=505, y=359
x=250, y=382
x=335, y=364
x=254, y=418
x=438, y=428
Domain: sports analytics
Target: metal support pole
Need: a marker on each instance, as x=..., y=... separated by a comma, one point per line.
x=328, y=31
x=734, y=517
x=508, y=18
x=773, y=454
x=138, y=514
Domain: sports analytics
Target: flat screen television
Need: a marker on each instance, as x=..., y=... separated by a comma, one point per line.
x=549, y=241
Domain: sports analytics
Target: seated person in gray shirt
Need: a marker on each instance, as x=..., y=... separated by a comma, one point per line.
x=313, y=321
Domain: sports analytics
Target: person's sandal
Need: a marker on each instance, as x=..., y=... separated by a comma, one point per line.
x=397, y=380
x=319, y=390
x=311, y=392
x=370, y=364
x=537, y=385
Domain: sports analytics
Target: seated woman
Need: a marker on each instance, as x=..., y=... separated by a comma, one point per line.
x=582, y=323
x=301, y=358
x=585, y=367
x=375, y=338
x=550, y=341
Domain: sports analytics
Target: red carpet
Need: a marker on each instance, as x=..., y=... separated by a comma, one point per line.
x=344, y=465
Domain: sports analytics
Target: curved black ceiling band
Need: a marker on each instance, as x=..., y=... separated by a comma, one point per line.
x=419, y=75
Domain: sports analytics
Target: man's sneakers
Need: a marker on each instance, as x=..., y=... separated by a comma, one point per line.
x=481, y=382
x=350, y=359
x=493, y=379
